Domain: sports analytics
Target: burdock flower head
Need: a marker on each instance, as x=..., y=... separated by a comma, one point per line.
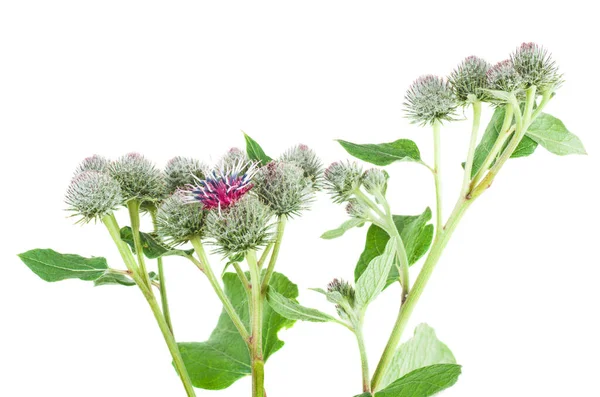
x=139, y=178
x=178, y=220
x=343, y=295
x=183, y=171
x=244, y=225
x=469, y=80
x=283, y=187
x=305, y=158
x=535, y=66
x=430, y=99
x=341, y=179
x=503, y=77
x=234, y=158
x=224, y=186
x=357, y=209
x=93, y=163
x=93, y=195
x=374, y=181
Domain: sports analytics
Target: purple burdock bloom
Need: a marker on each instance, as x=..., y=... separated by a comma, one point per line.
x=223, y=187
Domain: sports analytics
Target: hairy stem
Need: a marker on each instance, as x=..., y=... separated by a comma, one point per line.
x=256, y=315
x=472, y=146
x=134, y=215
x=364, y=361
x=437, y=175
x=273, y=260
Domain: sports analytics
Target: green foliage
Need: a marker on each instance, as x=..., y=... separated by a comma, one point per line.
x=223, y=359
x=422, y=350
x=384, y=153
x=114, y=279
x=151, y=244
x=255, y=152
x=374, y=279
x=552, y=134
x=290, y=309
x=423, y=382
x=51, y=266
x=343, y=228
x=416, y=234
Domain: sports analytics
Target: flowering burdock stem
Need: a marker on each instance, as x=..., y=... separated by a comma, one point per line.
x=256, y=306
x=265, y=255
x=437, y=174
x=281, y=222
x=164, y=300
x=134, y=214
x=364, y=361
x=472, y=146
x=113, y=228
x=214, y=282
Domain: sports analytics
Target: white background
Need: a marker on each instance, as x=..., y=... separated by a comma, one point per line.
x=515, y=296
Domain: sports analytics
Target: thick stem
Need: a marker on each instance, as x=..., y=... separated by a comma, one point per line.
x=273, y=260
x=114, y=230
x=472, y=146
x=214, y=282
x=437, y=175
x=134, y=215
x=364, y=361
x=256, y=315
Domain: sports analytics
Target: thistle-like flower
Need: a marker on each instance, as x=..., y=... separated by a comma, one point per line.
x=178, y=220
x=139, y=178
x=306, y=158
x=374, y=181
x=245, y=225
x=343, y=294
x=93, y=163
x=283, y=187
x=428, y=100
x=357, y=209
x=503, y=77
x=183, y=171
x=223, y=187
x=341, y=179
x=92, y=195
x=469, y=80
x=536, y=67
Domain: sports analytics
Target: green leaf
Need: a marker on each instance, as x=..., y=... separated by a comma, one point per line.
x=384, y=153
x=255, y=152
x=51, y=266
x=423, y=382
x=416, y=234
x=223, y=358
x=374, y=279
x=365, y=395
x=290, y=309
x=344, y=227
x=422, y=350
x=526, y=147
x=151, y=244
x=114, y=279
x=552, y=134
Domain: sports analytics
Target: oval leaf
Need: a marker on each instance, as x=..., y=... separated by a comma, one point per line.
x=384, y=153
x=51, y=266
x=255, y=152
x=374, y=278
x=552, y=134
x=423, y=382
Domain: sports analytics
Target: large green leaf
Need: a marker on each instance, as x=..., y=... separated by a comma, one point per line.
x=526, y=147
x=423, y=382
x=384, y=153
x=151, y=245
x=343, y=228
x=416, y=234
x=552, y=134
x=50, y=265
x=224, y=358
x=292, y=310
x=422, y=350
x=255, y=152
x=374, y=279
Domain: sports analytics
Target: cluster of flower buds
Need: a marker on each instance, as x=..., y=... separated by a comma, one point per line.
x=305, y=158
x=342, y=293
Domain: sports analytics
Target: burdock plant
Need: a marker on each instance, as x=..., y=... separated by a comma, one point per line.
x=518, y=89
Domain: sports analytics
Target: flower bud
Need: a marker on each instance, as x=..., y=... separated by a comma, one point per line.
x=341, y=178
x=503, y=77
x=93, y=163
x=178, y=220
x=342, y=293
x=92, y=195
x=357, y=210
x=429, y=99
x=245, y=225
x=469, y=80
x=234, y=159
x=374, y=181
x=535, y=66
x=305, y=158
x=183, y=171
x=283, y=187
x=139, y=178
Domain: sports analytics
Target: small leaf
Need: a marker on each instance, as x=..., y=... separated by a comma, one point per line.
x=424, y=382
x=290, y=309
x=255, y=152
x=422, y=350
x=114, y=279
x=152, y=246
x=373, y=280
x=384, y=153
x=552, y=134
x=343, y=228
x=51, y=266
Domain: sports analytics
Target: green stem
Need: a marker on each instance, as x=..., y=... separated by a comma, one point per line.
x=403, y=268
x=164, y=300
x=113, y=228
x=273, y=260
x=437, y=174
x=256, y=313
x=364, y=361
x=472, y=146
x=265, y=255
x=134, y=214
x=214, y=282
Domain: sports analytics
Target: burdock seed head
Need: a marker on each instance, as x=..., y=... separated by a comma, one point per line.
x=93, y=163
x=139, y=178
x=341, y=178
x=92, y=195
x=245, y=225
x=430, y=99
x=183, y=171
x=283, y=187
x=178, y=220
x=469, y=80
x=535, y=66
x=306, y=158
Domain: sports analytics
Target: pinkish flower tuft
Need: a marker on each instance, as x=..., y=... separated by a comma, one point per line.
x=223, y=188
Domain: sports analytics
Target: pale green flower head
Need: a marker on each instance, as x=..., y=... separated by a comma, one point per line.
x=341, y=179
x=183, y=171
x=469, y=80
x=93, y=163
x=430, y=99
x=139, y=178
x=306, y=158
x=92, y=195
x=375, y=180
x=535, y=66
x=178, y=219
